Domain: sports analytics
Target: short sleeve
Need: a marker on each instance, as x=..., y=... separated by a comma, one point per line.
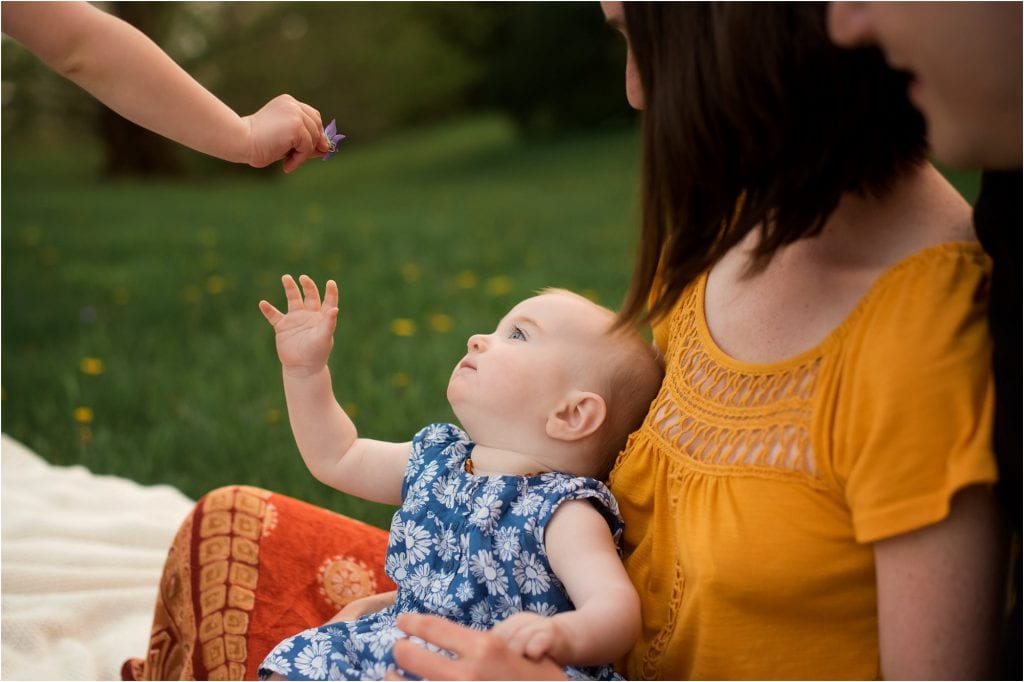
x=916, y=399
x=561, y=488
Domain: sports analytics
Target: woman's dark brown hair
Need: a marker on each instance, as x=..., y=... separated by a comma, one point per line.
x=753, y=118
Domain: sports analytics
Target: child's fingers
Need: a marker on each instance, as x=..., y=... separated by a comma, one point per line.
x=310, y=292
x=330, y=295
x=538, y=645
x=272, y=314
x=291, y=293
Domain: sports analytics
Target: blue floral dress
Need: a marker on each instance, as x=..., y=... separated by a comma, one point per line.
x=469, y=548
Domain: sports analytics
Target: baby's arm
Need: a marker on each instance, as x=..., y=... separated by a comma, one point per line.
x=121, y=67
x=364, y=605
x=606, y=620
x=324, y=433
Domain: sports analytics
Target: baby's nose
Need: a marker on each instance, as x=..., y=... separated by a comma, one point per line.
x=476, y=343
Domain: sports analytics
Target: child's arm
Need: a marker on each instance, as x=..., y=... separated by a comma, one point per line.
x=606, y=620
x=128, y=72
x=364, y=605
x=324, y=433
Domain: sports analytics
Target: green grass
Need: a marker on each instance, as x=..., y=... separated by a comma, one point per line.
x=159, y=281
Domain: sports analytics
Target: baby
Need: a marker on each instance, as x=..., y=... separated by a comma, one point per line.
x=504, y=526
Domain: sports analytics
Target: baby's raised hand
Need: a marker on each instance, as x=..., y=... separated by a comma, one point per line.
x=305, y=334
x=534, y=636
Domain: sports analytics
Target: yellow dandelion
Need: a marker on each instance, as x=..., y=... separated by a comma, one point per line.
x=411, y=272
x=440, y=322
x=499, y=286
x=466, y=279
x=216, y=284
x=400, y=379
x=83, y=415
x=403, y=327
x=272, y=415
x=91, y=366
x=192, y=294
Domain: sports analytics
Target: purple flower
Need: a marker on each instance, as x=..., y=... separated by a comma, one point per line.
x=334, y=139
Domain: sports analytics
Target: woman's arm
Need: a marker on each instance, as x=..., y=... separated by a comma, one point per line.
x=128, y=72
x=940, y=592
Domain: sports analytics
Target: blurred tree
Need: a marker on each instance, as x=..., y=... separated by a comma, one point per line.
x=376, y=67
x=128, y=148
x=551, y=66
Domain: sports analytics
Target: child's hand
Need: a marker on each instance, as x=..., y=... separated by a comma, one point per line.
x=285, y=128
x=306, y=334
x=534, y=636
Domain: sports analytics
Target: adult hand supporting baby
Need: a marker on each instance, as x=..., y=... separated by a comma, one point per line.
x=480, y=655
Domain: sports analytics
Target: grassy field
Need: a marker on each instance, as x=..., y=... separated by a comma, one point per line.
x=131, y=338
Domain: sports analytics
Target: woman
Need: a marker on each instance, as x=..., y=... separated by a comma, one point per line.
x=809, y=495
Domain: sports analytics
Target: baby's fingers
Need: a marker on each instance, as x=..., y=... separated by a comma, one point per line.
x=310, y=292
x=291, y=293
x=330, y=295
x=272, y=314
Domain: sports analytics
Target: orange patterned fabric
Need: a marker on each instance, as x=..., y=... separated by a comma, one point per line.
x=247, y=569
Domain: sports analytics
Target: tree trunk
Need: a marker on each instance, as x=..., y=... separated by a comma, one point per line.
x=132, y=150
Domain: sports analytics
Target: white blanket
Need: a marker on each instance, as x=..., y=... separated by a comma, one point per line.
x=81, y=556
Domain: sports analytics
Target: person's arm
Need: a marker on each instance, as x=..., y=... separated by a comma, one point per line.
x=128, y=72
x=324, y=433
x=364, y=605
x=939, y=594
x=606, y=619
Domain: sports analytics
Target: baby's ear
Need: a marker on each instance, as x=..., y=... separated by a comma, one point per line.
x=580, y=415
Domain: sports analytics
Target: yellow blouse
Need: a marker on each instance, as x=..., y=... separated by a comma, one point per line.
x=752, y=493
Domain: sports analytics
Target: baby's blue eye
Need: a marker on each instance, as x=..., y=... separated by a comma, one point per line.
x=517, y=334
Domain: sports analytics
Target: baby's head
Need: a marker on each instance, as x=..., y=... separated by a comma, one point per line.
x=554, y=380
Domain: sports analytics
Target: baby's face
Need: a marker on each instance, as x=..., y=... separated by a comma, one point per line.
x=513, y=377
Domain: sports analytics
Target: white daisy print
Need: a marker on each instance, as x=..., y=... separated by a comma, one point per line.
x=419, y=582
x=445, y=490
x=527, y=505
x=488, y=571
x=464, y=592
x=506, y=543
x=414, y=537
x=485, y=512
x=480, y=615
x=416, y=499
x=530, y=575
x=435, y=434
x=396, y=565
x=311, y=662
x=446, y=542
x=542, y=608
x=277, y=663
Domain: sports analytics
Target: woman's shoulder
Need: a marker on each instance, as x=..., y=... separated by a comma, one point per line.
x=927, y=307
